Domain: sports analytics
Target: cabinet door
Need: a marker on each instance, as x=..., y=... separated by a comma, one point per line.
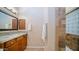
x=21, y=23
x=24, y=42
x=9, y=43
x=12, y=48
x=19, y=40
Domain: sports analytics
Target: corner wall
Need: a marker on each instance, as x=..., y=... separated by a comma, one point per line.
x=51, y=29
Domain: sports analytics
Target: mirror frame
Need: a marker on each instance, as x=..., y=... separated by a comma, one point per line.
x=11, y=16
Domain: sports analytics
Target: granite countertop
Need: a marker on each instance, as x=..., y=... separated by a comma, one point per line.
x=6, y=37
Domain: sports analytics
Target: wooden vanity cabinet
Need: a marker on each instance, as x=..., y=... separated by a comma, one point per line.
x=24, y=42
x=20, y=44
x=10, y=42
x=12, y=48
x=17, y=44
x=10, y=45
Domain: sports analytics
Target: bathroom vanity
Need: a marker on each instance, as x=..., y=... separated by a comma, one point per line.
x=11, y=38
x=13, y=42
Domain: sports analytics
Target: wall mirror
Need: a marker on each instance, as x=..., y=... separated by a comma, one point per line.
x=8, y=22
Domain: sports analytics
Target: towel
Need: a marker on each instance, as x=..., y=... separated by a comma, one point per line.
x=44, y=32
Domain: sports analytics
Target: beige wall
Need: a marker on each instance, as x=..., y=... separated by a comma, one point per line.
x=51, y=30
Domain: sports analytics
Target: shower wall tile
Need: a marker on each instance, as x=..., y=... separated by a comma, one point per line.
x=72, y=22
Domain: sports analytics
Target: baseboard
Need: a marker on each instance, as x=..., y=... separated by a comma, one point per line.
x=35, y=46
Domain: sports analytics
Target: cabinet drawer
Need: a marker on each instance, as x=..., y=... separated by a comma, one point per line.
x=9, y=43
x=12, y=48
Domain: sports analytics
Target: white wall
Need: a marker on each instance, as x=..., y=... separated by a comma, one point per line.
x=51, y=29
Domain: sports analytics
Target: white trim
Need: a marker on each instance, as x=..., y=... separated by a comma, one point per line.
x=35, y=46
